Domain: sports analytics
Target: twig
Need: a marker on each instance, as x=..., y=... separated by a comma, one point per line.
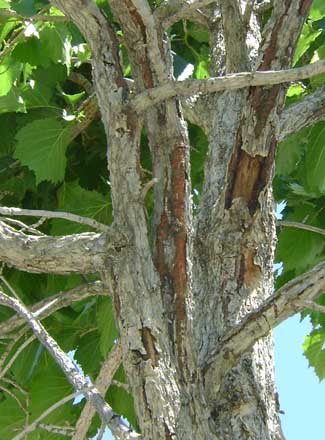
x=170, y=14
x=147, y=186
x=17, y=353
x=15, y=338
x=297, y=225
x=55, y=214
x=102, y=383
x=264, y=6
x=119, y=384
x=9, y=287
x=82, y=253
x=71, y=371
x=47, y=306
x=101, y=433
x=49, y=410
x=54, y=429
x=38, y=17
x=233, y=81
x=311, y=305
x=308, y=111
x=22, y=225
x=13, y=396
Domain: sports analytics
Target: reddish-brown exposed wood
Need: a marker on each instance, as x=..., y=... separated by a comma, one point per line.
x=149, y=343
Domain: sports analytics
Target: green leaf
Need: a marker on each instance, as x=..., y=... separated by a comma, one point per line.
x=4, y=4
x=55, y=40
x=12, y=101
x=201, y=70
x=106, y=325
x=290, y=151
x=25, y=8
x=314, y=352
x=317, y=9
x=88, y=354
x=307, y=36
x=9, y=71
x=73, y=198
x=315, y=159
x=298, y=250
x=30, y=51
x=12, y=417
x=41, y=145
x=120, y=400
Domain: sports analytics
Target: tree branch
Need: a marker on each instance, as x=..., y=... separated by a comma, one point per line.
x=55, y=214
x=22, y=435
x=71, y=371
x=306, y=112
x=38, y=17
x=47, y=306
x=102, y=383
x=233, y=81
x=82, y=253
x=281, y=305
x=235, y=36
x=303, y=226
x=173, y=11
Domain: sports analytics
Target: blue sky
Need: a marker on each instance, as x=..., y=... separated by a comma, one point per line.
x=301, y=393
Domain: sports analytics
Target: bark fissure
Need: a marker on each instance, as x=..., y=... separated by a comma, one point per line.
x=193, y=299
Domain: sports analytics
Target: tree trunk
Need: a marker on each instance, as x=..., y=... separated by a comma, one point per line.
x=183, y=283
x=176, y=297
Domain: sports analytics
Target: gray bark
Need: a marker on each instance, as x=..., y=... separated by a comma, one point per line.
x=184, y=291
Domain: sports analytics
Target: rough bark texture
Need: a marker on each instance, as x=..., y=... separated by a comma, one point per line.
x=180, y=285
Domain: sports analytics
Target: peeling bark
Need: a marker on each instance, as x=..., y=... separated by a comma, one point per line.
x=194, y=303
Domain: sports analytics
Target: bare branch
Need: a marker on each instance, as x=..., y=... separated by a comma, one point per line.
x=71, y=371
x=55, y=214
x=281, y=305
x=38, y=17
x=50, y=305
x=22, y=435
x=264, y=6
x=233, y=81
x=173, y=11
x=82, y=253
x=54, y=429
x=311, y=305
x=102, y=383
x=306, y=112
x=303, y=226
x=16, y=354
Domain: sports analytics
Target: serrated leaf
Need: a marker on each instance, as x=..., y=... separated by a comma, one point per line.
x=298, y=250
x=41, y=145
x=73, y=198
x=315, y=159
x=106, y=325
x=290, y=151
x=314, y=352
